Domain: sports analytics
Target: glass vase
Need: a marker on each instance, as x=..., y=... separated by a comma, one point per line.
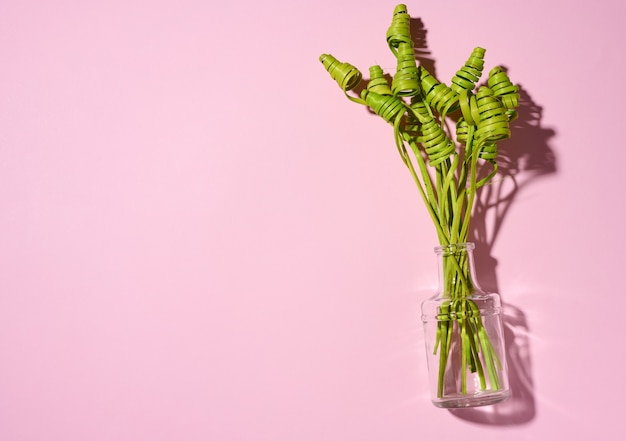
x=464, y=335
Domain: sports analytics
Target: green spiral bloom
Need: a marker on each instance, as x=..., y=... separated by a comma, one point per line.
x=386, y=106
x=438, y=96
x=345, y=74
x=494, y=123
x=399, y=32
x=378, y=83
x=406, y=81
x=502, y=87
x=469, y=74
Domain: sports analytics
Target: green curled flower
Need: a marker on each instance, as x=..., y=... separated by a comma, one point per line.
x=406, y=81
x=469, y=108
x=494, y=123
x=345, y=74
x=399, y=31
x=462, y=130
x=378, y=83
x=469, y=74
x=387, y=107
x=503, y=88
x=436, y=143
x=439, y=96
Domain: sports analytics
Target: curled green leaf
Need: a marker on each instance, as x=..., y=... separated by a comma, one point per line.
x=438, y=96
x=387, y=107
x=489, y=151
x=469, y=74
x=400, y=30
x=437, y=145
x=462, y=130
x=406, y=81
x=345, y=74
x=469, y=108
x=378, y=83
x=503, y=88
x=417, y=115
x=493, y=124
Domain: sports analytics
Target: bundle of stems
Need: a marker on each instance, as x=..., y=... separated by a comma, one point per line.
x=447, y=137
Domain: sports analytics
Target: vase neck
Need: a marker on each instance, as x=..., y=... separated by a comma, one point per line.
x=457, y=275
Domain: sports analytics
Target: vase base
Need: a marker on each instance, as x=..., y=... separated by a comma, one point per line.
x=461, y=401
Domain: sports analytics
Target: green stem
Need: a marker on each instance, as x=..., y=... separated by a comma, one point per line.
x=460, y=318
x=471, y=192
x=426, y=188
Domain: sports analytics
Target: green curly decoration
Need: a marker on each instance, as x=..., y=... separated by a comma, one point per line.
x=469, y=108
x=345, y=74
x=439, y=96
x=482, y=119
x=388, y=107
x=443, y=162
x=436, y=143
x=406, y=81
x=462, y=131
x=502, y=87
x=378, y=83
x=469, y=74
x=493, y=124
x=400, y=30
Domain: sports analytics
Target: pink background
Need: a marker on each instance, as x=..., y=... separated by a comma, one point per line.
x=202, y=239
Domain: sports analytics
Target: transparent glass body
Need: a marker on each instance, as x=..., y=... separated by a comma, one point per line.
x=464, y=335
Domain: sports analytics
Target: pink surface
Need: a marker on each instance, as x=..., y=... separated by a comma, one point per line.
x=203, y=240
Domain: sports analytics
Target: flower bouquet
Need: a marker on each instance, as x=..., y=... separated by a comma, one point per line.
x=447, y=138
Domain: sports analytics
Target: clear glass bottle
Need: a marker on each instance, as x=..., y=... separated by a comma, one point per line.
x=464, y=335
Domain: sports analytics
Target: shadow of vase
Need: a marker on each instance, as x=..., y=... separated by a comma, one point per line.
x=520, y=407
